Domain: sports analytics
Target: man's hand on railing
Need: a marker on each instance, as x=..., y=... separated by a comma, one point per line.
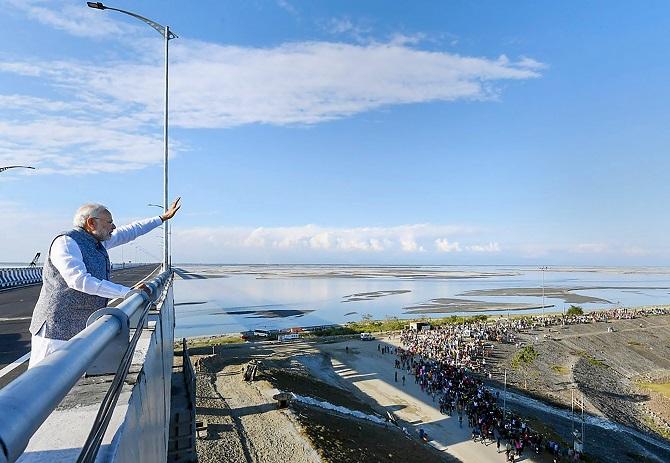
x=144, y=288
x=139, y=288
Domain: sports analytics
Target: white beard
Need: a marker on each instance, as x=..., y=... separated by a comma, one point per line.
x=100, y=236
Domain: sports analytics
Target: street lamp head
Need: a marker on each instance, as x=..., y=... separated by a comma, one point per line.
x=96, y=5
x=2, y=169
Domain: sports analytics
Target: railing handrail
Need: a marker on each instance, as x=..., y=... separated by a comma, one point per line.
x=27, y=401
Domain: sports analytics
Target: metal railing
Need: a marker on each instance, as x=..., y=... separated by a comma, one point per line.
x=26, y=402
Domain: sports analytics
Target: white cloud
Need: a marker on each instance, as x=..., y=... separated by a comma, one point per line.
x=530, y=63
x=21, y=69
x=216, y=86
x=288, y=7
x=107, y=116
x=490, y=247
x=443, y=245
x=593, y=250
x=345, y=27
x=340, y=25
x=412, y=239
x=409, y=244
x=71, y=146
x=404, y=39
x=73, y=18
x=636, y=251
x=312, y=82
x=590, y=248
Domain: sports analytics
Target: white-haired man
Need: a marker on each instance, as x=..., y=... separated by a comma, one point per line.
x=75, y=278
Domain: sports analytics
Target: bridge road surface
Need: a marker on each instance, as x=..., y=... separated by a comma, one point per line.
x=16, y=309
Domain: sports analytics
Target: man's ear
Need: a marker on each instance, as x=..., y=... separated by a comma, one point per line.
x=89, y=225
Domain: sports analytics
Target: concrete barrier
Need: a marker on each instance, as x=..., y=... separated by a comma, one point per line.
x=20, y=276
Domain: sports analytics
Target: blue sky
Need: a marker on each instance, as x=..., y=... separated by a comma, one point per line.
x=356, y=132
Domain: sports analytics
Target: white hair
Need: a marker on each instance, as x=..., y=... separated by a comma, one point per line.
x=86, y=211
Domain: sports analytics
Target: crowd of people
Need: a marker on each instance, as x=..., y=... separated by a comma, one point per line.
x=449, y=364
x=595, y=316
x=442, y=362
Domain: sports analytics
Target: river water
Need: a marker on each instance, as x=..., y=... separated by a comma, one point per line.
x=214, y=300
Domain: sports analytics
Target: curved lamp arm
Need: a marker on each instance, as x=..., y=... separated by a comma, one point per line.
x=2, y=169
x=158, y=27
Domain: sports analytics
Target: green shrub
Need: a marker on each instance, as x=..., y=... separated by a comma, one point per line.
x=575, y=310
x=524, y=356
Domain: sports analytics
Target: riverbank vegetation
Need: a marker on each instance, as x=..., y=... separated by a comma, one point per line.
x=524, y=357
x=213, y=341
x=575, y=310
x=367, y=325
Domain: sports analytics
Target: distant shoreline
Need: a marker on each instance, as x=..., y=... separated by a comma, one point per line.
x=383, y=325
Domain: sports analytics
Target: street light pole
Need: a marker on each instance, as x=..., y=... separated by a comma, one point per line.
x=167, y=35
x=166, y=229
x=543, y=269
x=166, y=258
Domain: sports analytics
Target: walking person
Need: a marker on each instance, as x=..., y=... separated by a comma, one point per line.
x=75, y=277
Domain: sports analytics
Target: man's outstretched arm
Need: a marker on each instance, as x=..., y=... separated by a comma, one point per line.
x=127, y=233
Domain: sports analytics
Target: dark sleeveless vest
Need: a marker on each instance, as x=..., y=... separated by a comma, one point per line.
x=65, y=310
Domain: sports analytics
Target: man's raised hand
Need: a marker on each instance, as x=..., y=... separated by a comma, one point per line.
x=176, y=205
